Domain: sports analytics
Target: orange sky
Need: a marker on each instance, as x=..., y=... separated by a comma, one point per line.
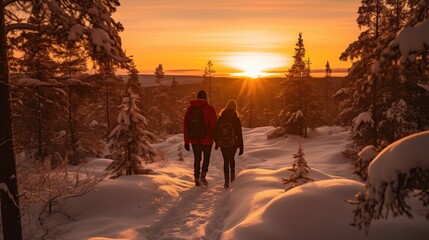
x=184, y=35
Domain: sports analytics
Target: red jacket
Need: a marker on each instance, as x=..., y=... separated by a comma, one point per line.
x=210, y=118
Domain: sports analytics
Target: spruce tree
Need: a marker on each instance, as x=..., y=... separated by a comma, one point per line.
x=130, y=140
x=295, y=96
x=133, y=82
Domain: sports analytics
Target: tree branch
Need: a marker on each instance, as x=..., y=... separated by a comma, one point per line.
x=21, y=26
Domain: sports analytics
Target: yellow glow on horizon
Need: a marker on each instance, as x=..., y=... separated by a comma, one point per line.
x=255, y=64
x=184, y=35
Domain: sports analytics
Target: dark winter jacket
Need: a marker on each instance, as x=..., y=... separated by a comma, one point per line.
x=230, y=116
x=210, y=118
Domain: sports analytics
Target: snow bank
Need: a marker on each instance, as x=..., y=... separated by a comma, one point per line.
x=166, y=205
x=317, y=210
x=401, y=156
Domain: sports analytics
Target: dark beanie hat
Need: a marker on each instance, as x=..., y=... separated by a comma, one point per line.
x=202, y=94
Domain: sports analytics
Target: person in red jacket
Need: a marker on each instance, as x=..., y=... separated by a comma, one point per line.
x=204, y=145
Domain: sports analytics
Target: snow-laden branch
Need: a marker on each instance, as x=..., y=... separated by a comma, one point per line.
x=411, y=40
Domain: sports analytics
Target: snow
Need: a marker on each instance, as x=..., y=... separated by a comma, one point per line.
x=76, y=32
x=31, y=82
x=368, y=153
x=365, y=117
x=100, y=39
x=401, y=156
x=94, y=123
x=167, y=205
x=411, y=40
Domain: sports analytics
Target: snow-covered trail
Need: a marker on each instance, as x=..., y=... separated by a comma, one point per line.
x=199, y=213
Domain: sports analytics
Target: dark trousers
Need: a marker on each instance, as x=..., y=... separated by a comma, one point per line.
x=199, y=150
x=228, y=162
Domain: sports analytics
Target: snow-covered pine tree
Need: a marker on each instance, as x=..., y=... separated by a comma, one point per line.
x=384, y=99
x=300, y=169
x=358, y=97
x=88, y=22
x=130, y=140
x=295, y=96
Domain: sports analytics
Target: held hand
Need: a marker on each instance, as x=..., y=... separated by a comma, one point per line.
x=187, y=148
x=241, y=152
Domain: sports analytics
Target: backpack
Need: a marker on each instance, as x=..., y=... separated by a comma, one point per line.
x=197, y=129
x=226, y=135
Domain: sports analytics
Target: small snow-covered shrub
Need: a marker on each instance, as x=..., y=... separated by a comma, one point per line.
x=300, y=169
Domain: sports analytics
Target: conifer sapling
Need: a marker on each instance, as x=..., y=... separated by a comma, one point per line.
x=300, y=169
x=129, y=140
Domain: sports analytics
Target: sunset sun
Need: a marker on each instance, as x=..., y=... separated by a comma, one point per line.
x=255, y=64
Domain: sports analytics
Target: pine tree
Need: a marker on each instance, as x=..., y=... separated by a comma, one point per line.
x=159, y=74
x=175, y=112
x=130, y=140
x=300, y=169
x=389, y=101
x=134, y=83
x=71, y=70
x=208, y=74
x=295, y=96
x=64, y=21
x=329, y=113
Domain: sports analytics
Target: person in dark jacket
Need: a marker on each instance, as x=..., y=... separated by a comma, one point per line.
x=203, y=146
x=229, y=141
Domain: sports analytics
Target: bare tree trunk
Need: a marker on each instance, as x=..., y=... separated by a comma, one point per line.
x=107, y=107
x=11, y=217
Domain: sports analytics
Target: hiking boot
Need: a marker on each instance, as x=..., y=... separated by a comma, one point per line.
x=232, y=179
x=204, y=181
x=197, y=182
x=203, y=178
x=226, y=185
